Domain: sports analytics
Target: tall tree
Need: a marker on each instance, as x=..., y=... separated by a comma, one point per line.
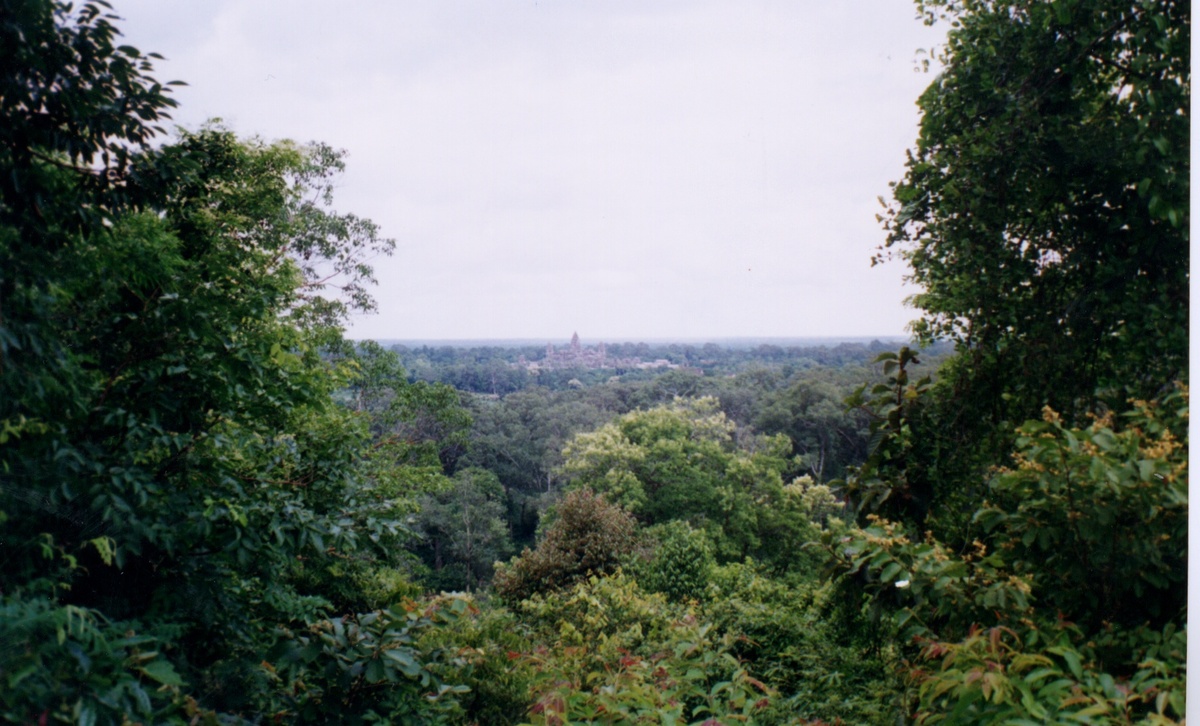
x=1044, y=212
x=464, y=530
x=825, y=435
x=172, y=457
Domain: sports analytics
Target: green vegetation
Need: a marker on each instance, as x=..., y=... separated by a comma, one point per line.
x=213, y=509
x=1024, y=514
x=681, y=462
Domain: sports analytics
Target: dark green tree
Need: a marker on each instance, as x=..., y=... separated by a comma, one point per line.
x=825, y=435
x=521, y=436
x=418, y=423
x=1044, y=215
x=464, y=530
x=173, y=462
x=588, y=536
x=679, y=563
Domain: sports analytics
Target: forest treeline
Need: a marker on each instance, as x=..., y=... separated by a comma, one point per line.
x=498, y=370
x=214, y=509
x=520, y=436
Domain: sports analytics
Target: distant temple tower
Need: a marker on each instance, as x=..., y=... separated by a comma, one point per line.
x=574, y=355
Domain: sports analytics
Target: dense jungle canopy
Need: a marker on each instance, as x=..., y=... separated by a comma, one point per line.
x=215, y=509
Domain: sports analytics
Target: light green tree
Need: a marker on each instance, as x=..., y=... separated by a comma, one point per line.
x=683, y=461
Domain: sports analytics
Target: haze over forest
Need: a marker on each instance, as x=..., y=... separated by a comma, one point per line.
x=730, y=342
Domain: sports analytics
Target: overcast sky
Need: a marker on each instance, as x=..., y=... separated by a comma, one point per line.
x=625, y=170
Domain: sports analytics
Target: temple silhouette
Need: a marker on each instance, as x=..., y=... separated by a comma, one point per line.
x=575, y=356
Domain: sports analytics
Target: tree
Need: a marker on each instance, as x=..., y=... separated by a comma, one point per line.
x=73, y=102
x=521, y=436
x=681, y=461
x=464, y=529
x=74, y=109
x=1044, y=212
x=825, y=435
x=174, y=464
x=201, y=444
x=680, y=563
x=588, y=536
x=415, y=423
x=1044, y=215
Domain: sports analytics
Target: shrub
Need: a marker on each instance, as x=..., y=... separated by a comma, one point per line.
x=370, y=666
x=618, y=655
x=681, y=562
x=69, y=664
x=589, y=536
x=485, y=645
x=1070, y=605
x=782, y=631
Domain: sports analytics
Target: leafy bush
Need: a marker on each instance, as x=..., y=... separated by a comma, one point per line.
x=1000, y=675
x=1071, y=602
x=367, y=667
x=679, y=563
x=589, y=536
x=782, y=631
x=66, y=664
x=1096, y=517
x=614, y=654
x=485, y=644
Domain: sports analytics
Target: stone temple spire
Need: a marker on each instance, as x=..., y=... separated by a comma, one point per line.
x=575, y=342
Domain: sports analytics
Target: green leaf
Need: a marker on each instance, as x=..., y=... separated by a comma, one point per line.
x=1072, y=659
x=405, y=660
x=14, y=679
x=375, y=671
x=161, y=671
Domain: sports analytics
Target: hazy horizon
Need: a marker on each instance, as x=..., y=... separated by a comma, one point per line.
x=724, y=341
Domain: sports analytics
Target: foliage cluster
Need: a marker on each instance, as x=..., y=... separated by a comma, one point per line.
x=1033, y=572
x=369, y=666
x=1043, y=216
x=1071, y=600
x=589, y=536
x=614, y=654
x=463, y=530
x=784, y=631
x=681, y=564
x=520, y=436
x=178, y=482
x=682, y=461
